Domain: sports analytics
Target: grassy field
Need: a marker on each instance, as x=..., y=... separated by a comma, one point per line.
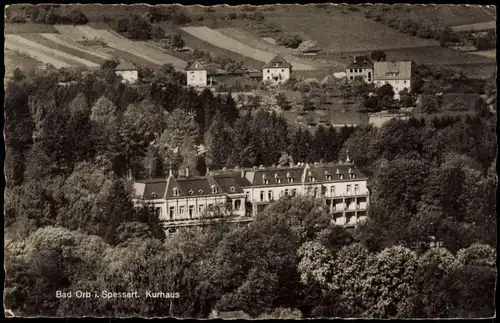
x=14, y=59
x=85, y=55
x=220, y=40
x=28, y=28
x=481, y=26
x=196, y=43
x=39, y=52
x=440, y=15
x=487, y=53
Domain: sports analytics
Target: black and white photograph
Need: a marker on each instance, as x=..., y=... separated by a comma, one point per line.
x=278, y=161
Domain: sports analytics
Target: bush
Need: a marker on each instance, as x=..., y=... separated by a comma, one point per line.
x=257, y=16
x=17, y=20
x=231, y=16
x=249, y=8
x=157, y=32
x=77, y=17
x=290, y=40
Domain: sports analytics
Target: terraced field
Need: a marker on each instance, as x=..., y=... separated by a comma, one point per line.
x=149, y=53
x=220, y=40
x=481, y=26
x=487, y=53
x=259, y=43
x=69, y=49
x=14, y=59
x=44, y=54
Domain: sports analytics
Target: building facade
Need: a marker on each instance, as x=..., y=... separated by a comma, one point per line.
x=196, y=75
x=128, y=72
x=397, y=74
x=361, y=66
x=185, y=200
x=276, y=71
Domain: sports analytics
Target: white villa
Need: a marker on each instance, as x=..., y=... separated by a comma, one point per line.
x=397, y=74
x=196, y=74
x=276, y=71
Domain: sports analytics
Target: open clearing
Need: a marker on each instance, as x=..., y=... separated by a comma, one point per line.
x=259, y=43
x=481, y=26
x=41, y=53
x=64, y=41
x=153, y=55
x=49, y=51
x=218, y=39
x=28, y=28
x=81, y=54
x=487, y=53
x=15, y=59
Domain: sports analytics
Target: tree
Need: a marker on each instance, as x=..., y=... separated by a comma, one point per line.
x=152, y=163
x=77, y=17
x=350, y=272
x=316, y=264
x=218, y=140
x=429, y=103
x=393, y=270
x=430, y=282
x=178, y=42
x=118, y=209
x=378, y=55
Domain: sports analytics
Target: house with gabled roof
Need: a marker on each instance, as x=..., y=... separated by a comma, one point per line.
x=397, y=74
x=276, y=71
x=196, y=74
x=128, y=72
x=360, y=66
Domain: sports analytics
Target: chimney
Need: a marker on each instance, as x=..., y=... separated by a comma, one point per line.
x=129, y=174
x=170, y=174
x=347, y=159
x=208, y=171
x=355, y=59
x=255, y=168
x=187, y=172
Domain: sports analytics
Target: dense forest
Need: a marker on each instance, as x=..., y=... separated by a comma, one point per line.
x=75, y=140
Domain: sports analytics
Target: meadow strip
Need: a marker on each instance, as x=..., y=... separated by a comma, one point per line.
x=14, y=45
x=85, y=55
x=77, y=61
x=221, y=40
x=137, y=49
x=57, y=38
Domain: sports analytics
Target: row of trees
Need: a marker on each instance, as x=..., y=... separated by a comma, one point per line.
x=291, y=259
x=46, y=14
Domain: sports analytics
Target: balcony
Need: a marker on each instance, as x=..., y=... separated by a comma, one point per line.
x=346, y=194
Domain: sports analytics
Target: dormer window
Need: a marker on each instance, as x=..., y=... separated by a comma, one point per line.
x=233, y=188
x=337, y=172
x=275, y=175
x=278, y=180
x=329, y=177
x=350, y=170
x=190, y=192
x=290, y=180
x=313, y=179
x=214, y=189
x=153, y=194
x=341, y=176
x=266, y=181
x=200, y=191
x=276, y=64
x=176, y=191
x=288, y=174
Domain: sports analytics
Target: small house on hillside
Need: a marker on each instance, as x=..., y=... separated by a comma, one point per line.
x=196, y=74
x=276, y=71
x=360, y=66
x=128, y=72
x=397, y=74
